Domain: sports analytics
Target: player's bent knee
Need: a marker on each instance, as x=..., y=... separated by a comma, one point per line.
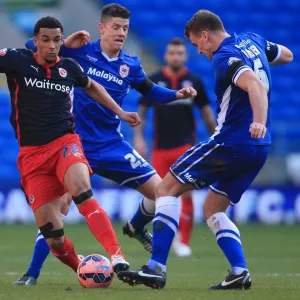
x=82, y=197
x=55, y=238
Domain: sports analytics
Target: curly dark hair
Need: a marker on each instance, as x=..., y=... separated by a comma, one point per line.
x=47, y=22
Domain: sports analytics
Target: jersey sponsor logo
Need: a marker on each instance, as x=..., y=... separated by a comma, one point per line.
x=189, y=177
x=104, y=75
x=3, y=51
x=31, y=199
x=232, y=60
x=187, y=84
x=124, y=70
x=47, y=85
x=36, y=68
x=91, y=58
x=62, y=72
x=243, y=44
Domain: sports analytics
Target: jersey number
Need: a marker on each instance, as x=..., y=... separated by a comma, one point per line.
x=262, y=75
x=135, y=159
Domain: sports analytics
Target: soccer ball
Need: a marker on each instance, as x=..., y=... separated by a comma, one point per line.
x=95, y=271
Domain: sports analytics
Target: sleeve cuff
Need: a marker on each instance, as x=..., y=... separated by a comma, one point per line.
x=278, y=54
x=239, y=72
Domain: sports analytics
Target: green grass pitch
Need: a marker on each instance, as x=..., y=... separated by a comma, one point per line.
x=273, y=255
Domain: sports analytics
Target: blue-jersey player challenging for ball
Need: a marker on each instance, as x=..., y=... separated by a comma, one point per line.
x=109, y=155
x=230, y=160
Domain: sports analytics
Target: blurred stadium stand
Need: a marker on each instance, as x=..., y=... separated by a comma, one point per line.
x=153, y=23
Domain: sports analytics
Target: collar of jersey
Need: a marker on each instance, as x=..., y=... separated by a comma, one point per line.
x=97, y=48
x=225, y=41
x=46, y=66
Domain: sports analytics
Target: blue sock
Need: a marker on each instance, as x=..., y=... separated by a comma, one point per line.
x=165, y=225
x=228, y=239
x=143, y=215
x=41, y=251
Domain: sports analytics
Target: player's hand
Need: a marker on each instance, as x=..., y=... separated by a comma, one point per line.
x=140, y=146
x=77, y=39
x=130, y=117
x=186, y=93
x=257, y=130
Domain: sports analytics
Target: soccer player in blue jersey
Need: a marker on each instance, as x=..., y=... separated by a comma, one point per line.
x=109, y=155
x=230, y=160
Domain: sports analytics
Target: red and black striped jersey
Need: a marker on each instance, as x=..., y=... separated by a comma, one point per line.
x=40, y=95
x=174, y=122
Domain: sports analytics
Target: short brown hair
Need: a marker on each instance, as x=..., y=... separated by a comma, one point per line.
x=203, y=20
x=176, y=41
x=115, y=10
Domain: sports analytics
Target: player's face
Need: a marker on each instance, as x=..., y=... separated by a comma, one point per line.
x=201, y=40
x=114, y=32
x=48, y=43
x=176, y=56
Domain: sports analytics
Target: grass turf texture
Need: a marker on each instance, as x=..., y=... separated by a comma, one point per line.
x=273, y=255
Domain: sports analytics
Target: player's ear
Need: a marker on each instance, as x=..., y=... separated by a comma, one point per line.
x=101, y=27
x=35, y=40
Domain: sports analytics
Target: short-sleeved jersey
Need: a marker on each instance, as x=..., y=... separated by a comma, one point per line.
x=174, y=122
x=95, y=123
x=40, y=95
x=235, y=55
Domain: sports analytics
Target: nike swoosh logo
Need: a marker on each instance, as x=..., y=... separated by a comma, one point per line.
x=225, y=283
x=141, y=273
x=94, y=212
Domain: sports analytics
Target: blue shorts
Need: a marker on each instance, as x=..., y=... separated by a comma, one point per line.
x=228, y=169
x=119, y=162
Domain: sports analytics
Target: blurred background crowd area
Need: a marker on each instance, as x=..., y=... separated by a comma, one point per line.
x=153, y=24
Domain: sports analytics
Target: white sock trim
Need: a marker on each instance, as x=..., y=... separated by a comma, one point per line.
x=167, y=222
x=166, y=200
x=228, y=234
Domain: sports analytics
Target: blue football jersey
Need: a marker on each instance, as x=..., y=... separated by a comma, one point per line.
x=236, y=54
x=95, y=123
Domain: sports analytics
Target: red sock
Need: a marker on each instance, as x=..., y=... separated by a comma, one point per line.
x=186, y=219
x=67, y=255
x=100, y=226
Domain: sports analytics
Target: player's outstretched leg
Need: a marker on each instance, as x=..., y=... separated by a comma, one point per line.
x=77, y=181
x=41, y=251
x=135, y=228
x=181, y=243
x=165, y=225
x=228, y=239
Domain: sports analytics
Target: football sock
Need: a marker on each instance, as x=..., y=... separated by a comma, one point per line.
x=67, y=255
x=228, y=239
x=165, y=225
x=100, y=226
x=40, y=253
x=186, y=220
x=144, y=214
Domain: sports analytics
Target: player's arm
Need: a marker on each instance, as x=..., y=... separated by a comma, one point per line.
x=278, y=54
x=249, y=82
x=162, y=95
x=8, y=59
x=100, y=95
x=154, y=92
x=139, y=140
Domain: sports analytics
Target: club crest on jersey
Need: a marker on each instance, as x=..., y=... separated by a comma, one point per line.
x=124, y=70
x=3, y=51
x=187, y=84
x=62, y=72
x=232, y=60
